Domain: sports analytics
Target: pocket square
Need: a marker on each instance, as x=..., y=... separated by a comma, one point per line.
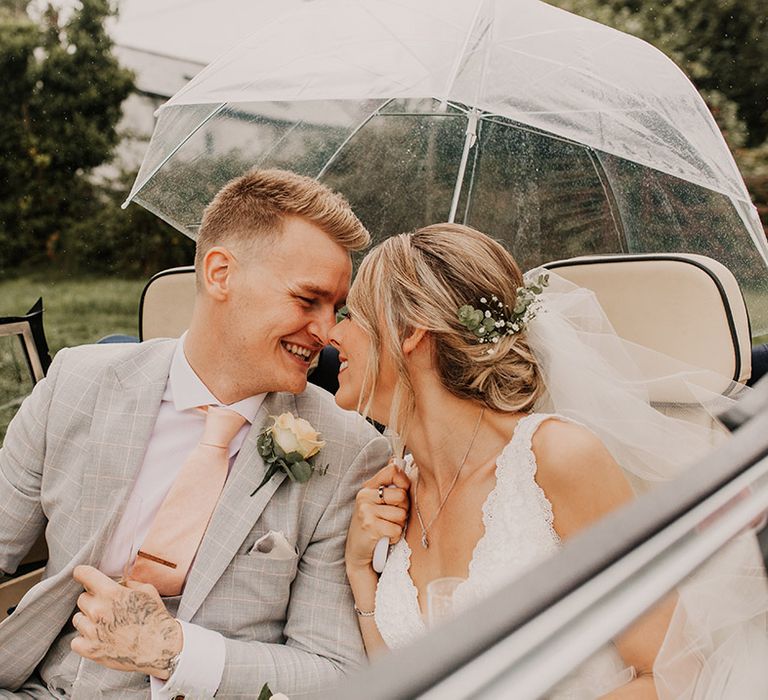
x=273, y=545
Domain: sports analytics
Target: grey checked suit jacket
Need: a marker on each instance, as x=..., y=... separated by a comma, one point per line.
x=69, y=460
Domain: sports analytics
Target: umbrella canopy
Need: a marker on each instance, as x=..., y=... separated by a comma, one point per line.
x=556, y=133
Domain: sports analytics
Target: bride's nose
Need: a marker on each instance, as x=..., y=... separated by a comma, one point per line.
x=334, y=337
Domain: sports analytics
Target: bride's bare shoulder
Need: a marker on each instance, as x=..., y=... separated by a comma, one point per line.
x=559, y=442
x=577, y=474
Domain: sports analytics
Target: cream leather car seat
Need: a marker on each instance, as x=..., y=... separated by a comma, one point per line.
x=687, y=306
x=166, y=303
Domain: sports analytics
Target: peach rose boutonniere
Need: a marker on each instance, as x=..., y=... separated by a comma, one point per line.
x=290, y=444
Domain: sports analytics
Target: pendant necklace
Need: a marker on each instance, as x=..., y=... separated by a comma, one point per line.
x=425, y=528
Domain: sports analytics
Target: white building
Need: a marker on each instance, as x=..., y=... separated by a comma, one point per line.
x=157, y=77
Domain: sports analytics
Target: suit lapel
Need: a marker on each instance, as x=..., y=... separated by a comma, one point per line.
x=236, y=512
x=124, y=415
x=123, y=420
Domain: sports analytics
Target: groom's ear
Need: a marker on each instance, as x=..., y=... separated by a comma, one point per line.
x=218, y=264
x=414, y=340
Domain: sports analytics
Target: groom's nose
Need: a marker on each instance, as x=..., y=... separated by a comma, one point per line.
x=321, y=325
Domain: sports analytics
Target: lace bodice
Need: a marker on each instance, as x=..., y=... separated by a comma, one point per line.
x=519, y=533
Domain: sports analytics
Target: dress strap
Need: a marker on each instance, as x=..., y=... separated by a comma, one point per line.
x=517, y=467
x=528, y=425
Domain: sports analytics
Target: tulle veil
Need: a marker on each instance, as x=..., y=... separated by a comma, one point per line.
x=657, y=415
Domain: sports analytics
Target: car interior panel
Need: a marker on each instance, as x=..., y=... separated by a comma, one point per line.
x=29, y=330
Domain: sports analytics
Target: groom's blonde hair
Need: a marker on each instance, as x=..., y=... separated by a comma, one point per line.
x=420, y=280
x=250, y=210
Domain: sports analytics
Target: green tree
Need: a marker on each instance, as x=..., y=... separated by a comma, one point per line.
x=720, y=44
x=131, y=242
x=18, y=39
x=60, y=101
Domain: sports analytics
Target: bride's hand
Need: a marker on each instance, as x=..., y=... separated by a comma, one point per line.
x=375, y=518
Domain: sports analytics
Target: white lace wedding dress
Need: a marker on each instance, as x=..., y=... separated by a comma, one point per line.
x=519, y=533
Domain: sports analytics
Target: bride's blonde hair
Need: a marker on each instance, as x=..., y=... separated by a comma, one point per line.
x=420, y=280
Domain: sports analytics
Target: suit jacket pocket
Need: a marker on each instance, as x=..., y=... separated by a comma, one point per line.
x=266, y=578
x=273, y=545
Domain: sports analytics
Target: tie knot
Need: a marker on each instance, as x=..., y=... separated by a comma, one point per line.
x=221, y=425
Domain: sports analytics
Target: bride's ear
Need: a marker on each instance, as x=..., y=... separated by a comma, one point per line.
x=414, y=340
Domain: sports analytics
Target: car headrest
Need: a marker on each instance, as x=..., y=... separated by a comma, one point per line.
x=688, y=307
x=165, y=309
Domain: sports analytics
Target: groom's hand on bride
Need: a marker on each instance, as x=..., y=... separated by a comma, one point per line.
x=381, y=510
x=124, y=627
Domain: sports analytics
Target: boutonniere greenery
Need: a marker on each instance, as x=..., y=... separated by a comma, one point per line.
x=290, y=445
x=266, y=694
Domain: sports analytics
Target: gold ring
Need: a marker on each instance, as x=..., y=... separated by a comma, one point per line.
x=381, y=494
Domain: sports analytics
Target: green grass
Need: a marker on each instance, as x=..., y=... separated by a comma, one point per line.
x=757, y=303
x=77, y=311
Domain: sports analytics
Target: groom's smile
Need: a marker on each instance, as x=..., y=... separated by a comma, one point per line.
x=300, y=354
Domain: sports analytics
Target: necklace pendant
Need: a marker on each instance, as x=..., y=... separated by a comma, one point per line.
x=424, y=540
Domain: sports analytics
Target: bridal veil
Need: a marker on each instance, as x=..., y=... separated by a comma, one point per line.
x=634, y=399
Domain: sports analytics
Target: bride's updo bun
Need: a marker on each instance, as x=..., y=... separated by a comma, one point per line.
x=420, y=280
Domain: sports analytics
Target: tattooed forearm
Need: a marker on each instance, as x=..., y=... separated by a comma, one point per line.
x=160, y=664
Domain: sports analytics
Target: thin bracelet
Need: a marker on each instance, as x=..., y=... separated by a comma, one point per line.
x=365, y=613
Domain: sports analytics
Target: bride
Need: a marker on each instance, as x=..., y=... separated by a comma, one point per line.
x=446, y=345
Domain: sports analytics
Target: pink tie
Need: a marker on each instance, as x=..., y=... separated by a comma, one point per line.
x=178, y=528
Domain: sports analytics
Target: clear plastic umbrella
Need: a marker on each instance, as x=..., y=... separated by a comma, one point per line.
x=552, y=132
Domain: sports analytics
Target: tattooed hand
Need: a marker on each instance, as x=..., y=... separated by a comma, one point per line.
x=124, y=627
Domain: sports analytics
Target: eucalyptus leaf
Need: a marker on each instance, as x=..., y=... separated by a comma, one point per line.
x=465, y=313
x=302, y=471
x=293, y=457
x=264, y=444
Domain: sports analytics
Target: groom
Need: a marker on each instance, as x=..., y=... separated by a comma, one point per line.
x=102, y=455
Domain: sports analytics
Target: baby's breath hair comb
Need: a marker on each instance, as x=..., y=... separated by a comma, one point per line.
x=493, y=319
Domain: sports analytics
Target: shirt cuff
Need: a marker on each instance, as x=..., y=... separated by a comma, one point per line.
x=201, y=665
